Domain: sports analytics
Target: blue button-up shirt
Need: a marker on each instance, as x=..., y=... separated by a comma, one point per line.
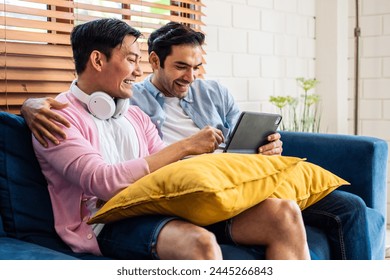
x=207, y=103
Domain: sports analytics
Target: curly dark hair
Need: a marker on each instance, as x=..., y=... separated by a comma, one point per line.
x=172, y=34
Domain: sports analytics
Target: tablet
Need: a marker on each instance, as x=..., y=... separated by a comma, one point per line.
x=251, y=132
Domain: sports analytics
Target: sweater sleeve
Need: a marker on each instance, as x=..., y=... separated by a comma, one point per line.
x=78, y=161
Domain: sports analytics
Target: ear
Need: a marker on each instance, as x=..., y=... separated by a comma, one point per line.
x=96, y=59
x=154, y=60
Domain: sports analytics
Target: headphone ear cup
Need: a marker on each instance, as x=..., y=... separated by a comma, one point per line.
x=122, y=105
x=101, y=105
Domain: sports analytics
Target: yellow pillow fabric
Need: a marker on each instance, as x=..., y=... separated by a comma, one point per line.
x=307, y=183
x=214, y=187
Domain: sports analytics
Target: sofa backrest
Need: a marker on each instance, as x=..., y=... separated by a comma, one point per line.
x=25, y=205
x=2, y=233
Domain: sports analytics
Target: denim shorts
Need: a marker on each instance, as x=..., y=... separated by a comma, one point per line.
x=136, y=238
x=222, y=231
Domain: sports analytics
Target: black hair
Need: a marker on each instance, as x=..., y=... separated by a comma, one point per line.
x=102, y=35
x=172, y=34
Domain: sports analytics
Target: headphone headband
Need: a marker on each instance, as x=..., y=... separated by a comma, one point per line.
x=100, y=104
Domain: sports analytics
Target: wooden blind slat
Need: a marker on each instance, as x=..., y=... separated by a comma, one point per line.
x=37, y=12
x=36, y=24
x=36, y=55
x=34, y=87
x=11, y=109
x=35, y=49
x=128, y=12
x=136, y=24
x=37, y=75
x=47, y=50
x=37, y=62
x=57, y=3
x=192, y=2
x=15, y=35
x=166, y=7
x=152, y=3
x=41, y=73
x=18, y=98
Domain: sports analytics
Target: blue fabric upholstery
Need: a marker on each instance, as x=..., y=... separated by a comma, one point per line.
x=318, y=244
x=377, y=229
x=24, y=200
x=2, y=233
x=361, y=160
x=26, y=219
x=14, y=249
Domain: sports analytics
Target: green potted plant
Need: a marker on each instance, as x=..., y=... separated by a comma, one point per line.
x=300, y=113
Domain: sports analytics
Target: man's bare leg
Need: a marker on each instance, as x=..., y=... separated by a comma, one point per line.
x=181, y=240
x=275, y=223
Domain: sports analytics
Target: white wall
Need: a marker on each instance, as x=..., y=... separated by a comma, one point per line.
x=332, y=63
x=374, y=85
x=258, y=47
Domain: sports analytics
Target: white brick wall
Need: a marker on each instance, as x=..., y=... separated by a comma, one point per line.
x=258, y=47
x=386, y=67
x=374, y=109
x=261, y=47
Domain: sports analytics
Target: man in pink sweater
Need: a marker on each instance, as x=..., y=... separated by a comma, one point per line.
x=111, y=144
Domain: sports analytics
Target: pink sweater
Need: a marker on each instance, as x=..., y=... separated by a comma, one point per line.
x=75, y=170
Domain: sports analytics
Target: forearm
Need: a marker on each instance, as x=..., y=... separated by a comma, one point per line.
x=168, y=155
x=205, y=141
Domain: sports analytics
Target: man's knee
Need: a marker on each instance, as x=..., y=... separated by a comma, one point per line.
x=204, y=241
x=279, y=216
x=288, y=214
x=182, y=240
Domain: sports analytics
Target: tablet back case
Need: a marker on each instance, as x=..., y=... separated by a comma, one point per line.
x=251, y=132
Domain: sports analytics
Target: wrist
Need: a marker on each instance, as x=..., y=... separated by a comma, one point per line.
x=184, y=148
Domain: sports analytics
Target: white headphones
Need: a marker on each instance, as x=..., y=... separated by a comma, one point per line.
x=100, y=104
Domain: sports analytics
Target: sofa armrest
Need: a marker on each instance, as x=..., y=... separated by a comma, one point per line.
x=361, y=160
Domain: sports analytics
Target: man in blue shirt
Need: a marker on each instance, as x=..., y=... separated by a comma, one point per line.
x=180, y=105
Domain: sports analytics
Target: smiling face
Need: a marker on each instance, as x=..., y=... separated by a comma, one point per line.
x=181, y=68
x=118, y=74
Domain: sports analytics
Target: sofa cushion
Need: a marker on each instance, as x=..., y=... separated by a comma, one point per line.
x=14, y=249
x=319, y=246
x=24, y=199
x=211, y=188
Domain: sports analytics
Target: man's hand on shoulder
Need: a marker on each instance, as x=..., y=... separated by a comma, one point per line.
x=42, y=121
x=274, y=147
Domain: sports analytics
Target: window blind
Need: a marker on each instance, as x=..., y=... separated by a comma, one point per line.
x=35, y=52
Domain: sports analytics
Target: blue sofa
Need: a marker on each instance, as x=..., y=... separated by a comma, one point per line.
x=26, y=219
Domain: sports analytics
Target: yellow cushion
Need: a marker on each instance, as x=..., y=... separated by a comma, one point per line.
x=307, y=183
x=211, y=188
